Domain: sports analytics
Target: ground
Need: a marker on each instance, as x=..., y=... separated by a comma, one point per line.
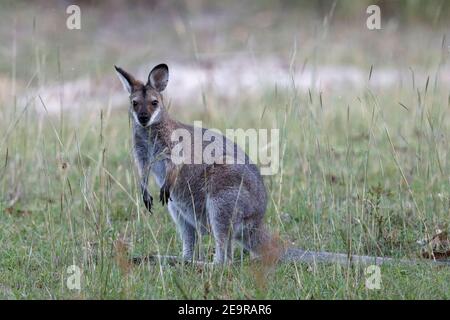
x=364, y=167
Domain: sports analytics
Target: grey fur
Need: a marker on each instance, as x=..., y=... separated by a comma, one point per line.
x=228, y=200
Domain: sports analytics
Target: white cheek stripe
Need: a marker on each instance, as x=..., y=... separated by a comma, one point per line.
x=155, y=116
x=136, y=118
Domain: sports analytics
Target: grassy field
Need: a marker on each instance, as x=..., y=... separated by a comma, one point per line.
x=364, y=171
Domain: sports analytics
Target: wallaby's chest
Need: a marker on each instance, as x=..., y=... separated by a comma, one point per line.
x=158, y=170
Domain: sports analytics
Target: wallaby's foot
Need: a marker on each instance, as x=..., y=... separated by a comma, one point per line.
x=187, y=258
x=222, y=261
x=148, y=200
x=223, y=254
x=164, y=194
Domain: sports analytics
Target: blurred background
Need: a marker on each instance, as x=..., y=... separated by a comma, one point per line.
x=216, y=50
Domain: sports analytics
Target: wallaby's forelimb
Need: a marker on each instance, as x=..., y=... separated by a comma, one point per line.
x=169, y=181
x=146, y=196
x=140, y=149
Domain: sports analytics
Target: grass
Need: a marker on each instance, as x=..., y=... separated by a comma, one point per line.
x=344, y=186
x=363, y=171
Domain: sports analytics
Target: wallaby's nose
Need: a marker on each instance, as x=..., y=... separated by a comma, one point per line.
x=143, y=118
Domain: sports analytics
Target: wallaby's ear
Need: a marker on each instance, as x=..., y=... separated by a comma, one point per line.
x=158, y=77
x=126, y=79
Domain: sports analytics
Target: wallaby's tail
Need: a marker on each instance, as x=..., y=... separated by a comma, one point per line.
x=306, y=256
x=272, y=250
x=296, y=255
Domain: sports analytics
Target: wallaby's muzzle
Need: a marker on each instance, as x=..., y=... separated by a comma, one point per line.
x=143, y=118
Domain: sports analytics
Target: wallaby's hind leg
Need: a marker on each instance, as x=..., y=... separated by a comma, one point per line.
x=219, y=215
x=186, y=230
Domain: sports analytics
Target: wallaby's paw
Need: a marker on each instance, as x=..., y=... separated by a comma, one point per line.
x=164, y=194
x=222, y=261
x=148, y=200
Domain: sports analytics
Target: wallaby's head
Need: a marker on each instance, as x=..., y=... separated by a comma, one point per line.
x=146, y=103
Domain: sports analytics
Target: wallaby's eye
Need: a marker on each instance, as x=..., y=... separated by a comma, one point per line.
x=154, y=103
x=134, y=102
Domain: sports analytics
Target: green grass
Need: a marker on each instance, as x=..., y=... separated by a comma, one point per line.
x=342, y=189
x=359, y=173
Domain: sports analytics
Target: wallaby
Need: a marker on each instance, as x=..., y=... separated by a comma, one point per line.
x=229, y=199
